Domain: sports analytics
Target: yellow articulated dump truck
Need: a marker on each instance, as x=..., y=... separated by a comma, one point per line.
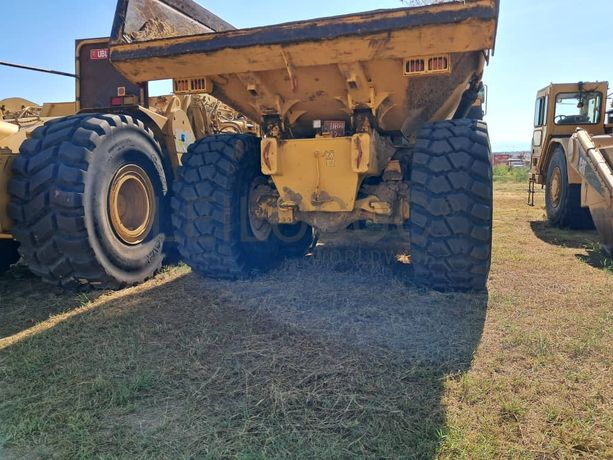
x=572, y=156
x=363, y=117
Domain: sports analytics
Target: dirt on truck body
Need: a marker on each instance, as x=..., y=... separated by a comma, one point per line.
x=365, y=119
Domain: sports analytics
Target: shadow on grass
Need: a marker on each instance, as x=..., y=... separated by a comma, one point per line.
x=597, y=258
x=25, y=301
x=577, y=239
x=321, y=358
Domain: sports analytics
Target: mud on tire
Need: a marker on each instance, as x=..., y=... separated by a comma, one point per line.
x=60, y=202
x=451, y=206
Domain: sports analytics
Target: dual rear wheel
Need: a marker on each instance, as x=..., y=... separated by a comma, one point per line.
x=220, y=236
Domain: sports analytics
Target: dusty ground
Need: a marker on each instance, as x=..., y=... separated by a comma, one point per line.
x=333, y=356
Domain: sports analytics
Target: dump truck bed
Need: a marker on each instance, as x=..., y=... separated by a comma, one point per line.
x=407, y=65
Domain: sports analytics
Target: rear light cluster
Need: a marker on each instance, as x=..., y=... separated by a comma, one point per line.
x=427, y=65
x=190, y=85
x=124, y=100
x=415, y=66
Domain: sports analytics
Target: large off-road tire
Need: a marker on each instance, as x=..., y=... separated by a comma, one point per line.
x=563, y=200
x=451, y=206
x=90, y=202
x=9, y=254
x=211, y=216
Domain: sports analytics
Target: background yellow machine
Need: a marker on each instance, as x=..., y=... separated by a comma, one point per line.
x=572, y=156
x=365, y=117
x=18, y=118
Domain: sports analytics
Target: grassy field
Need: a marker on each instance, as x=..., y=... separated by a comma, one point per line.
x=516, y=175
x=333, y=356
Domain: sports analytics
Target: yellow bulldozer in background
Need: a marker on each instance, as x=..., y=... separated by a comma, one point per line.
x=572, y=156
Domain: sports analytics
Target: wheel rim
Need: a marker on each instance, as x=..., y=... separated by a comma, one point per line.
x=132, y=205
x=555, y=187
x=260, y=227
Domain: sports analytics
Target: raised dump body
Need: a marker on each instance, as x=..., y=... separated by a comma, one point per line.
x=408, y=66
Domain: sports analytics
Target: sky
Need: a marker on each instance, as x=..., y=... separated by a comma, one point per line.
x=539, y=41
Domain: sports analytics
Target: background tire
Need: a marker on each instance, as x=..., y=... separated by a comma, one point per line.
x=62, y=188
x=210, y=214
x=295, y=240
x=451, y=206
x=563, y=200
x=9, y=254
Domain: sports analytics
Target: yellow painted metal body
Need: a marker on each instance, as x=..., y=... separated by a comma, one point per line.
x=7, y=130
x=549, y=134
x=404, y=67
x=588, y=149
x=321, y=174
x=311, y=79
x=58, y=109
x=592, y=158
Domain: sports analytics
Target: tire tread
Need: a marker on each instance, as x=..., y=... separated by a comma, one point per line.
x=201, y=216
x=451, y=206
x=47, y=201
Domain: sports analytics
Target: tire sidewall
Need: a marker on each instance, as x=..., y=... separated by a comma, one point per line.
x=558, y=161
x=124, y=145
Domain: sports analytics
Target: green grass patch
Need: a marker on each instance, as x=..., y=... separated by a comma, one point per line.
x=517, y=175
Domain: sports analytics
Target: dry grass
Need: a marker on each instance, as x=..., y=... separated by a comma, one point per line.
x=336, y=356
x=540, y=385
